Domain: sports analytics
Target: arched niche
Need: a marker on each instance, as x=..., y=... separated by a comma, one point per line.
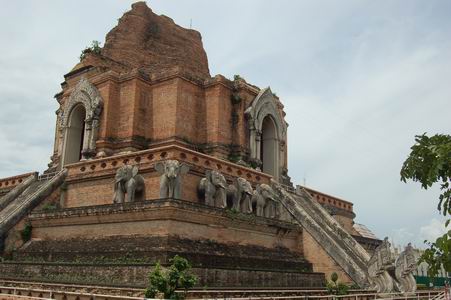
x=267, y=132
x=85, y=97
x=75, y=135
x=269, y=148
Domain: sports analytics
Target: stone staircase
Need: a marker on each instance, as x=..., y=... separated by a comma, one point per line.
x=335, y=240
x=22, y=199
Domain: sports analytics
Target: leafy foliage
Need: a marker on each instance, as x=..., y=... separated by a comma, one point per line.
x=336, y=288
x=26, y=233
x=237, y=77
x=429, y=163
x=177, y=276
x=49, y=207
x=235, y=98
x=95, y=48
x=438, y=254
x=334, y=277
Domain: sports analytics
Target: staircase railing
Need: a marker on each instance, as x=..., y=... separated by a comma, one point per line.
x=47, y=176
x=14, y=215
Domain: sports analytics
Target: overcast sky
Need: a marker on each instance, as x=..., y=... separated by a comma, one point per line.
x=358, y=80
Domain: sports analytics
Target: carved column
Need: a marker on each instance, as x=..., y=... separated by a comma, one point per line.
x=86, y=151
x=258, y=143
x=94, y=133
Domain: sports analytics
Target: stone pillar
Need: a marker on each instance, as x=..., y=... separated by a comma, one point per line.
x=94, y=134
x=258, y=144
x=89, y=139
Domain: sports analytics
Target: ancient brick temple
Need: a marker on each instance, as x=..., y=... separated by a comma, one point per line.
x=155, y=157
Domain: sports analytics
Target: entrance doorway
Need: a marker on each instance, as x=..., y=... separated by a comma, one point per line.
x=74, y=135
x=269, y=147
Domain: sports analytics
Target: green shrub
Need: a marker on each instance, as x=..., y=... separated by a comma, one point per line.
x=234, y=158
x=177, y=276
x=26, y=233
x=237, y=77
x=336, y=288
x=95, y=48
x=422, y=286
x=235, y=98
x=49, y=207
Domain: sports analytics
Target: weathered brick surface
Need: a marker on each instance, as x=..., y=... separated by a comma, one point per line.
x=137, y=275
x=154, y=43
x=162, y=218
x=320, y=260
x=151, y=249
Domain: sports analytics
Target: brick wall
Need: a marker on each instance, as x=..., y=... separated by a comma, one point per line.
x=321, y=261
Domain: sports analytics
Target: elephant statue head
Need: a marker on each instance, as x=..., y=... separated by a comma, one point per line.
x=241, y=192
x=214, y=189
x=265, y=201
x=171, y=177
x=128, y=185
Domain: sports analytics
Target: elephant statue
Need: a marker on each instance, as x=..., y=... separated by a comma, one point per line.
x=128, y=185
x=241, y=192
x=214, y=189
x=265, y=201
x=171, y=177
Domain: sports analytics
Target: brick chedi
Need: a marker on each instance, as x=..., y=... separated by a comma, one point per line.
x=153, y=157
x=153, y=43
x=153, y=81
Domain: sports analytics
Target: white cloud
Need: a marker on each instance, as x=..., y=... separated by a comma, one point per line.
x=433, y=230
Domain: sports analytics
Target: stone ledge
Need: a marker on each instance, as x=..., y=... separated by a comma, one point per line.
x=136, y=276
x=8, y=183
x=147, y=250
x=147, y=158
x=106, y=210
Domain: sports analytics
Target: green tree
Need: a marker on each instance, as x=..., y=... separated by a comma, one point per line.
x=94, y=48
x=336, y=288
x=177, y=276
x=429, y=163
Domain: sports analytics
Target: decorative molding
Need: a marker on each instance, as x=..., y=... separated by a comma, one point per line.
x=266, y=104
x=86, y=94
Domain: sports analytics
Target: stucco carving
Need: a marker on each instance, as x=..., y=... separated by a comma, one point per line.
x=378, y=266
x=406, y=264
x=265, y=201
x=86, y=94
x=171, y=178
x=214, y=189
x=128, y=185
x=388, y=274
x=241, y=192
x=265, y=104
